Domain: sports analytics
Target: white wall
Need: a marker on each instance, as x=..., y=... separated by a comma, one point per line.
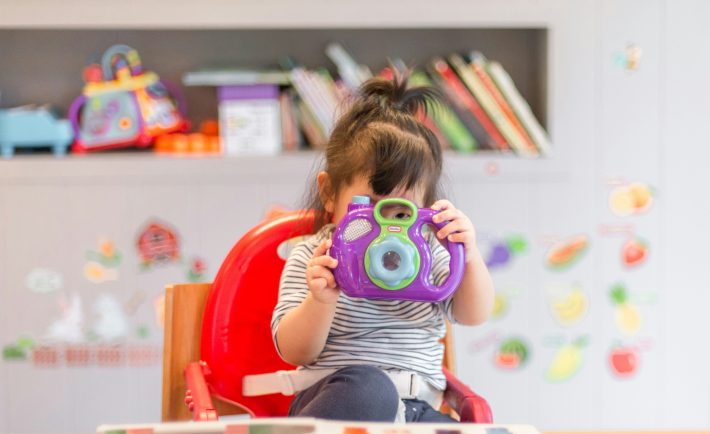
x=608, y=124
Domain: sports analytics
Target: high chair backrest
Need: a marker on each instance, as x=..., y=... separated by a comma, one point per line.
x=236, y=329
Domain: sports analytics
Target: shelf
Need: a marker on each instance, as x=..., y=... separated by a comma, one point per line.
x=163, y=14
x=133, y=168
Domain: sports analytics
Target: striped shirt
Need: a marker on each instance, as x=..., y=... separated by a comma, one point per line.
x=389, y=334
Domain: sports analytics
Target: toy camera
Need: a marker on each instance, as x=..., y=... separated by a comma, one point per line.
x=122, y=105
x=388, y=258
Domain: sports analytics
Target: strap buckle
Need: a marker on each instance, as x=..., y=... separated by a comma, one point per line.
x=287, y=387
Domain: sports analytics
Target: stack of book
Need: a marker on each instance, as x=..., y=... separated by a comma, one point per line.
x=481, y=107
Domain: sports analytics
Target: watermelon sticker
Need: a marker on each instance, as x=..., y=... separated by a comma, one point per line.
x=512, y=354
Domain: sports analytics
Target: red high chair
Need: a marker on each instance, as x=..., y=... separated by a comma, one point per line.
x=217, y=334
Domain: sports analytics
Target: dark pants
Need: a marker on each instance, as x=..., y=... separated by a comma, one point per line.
x=360, y=393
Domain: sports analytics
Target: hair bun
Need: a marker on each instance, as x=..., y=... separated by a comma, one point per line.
x=395, y=93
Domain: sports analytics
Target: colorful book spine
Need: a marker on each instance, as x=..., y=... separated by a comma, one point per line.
x=461, y=96
x=314, y=135
x=520, y=106
x=450, y=125
x=490, y=106
x=478, y=63
x=289, y=124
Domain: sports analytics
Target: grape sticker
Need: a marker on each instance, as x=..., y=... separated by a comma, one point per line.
x=502, y=251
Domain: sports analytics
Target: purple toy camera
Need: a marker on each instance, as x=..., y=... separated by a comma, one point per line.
x=388, y=258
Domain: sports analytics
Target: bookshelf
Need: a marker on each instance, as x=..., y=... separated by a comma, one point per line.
x=175, y=38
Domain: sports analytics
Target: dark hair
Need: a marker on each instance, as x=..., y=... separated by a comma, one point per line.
x=379, y=135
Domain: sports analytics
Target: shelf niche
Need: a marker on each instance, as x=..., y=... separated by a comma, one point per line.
x=42, y=66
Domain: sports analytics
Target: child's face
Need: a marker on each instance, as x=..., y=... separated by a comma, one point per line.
x=361, y=187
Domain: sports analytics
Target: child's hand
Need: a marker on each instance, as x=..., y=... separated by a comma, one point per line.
x=458, y=230
x=321, y=281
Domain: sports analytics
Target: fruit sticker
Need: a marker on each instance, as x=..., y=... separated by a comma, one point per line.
x=632, y=199
x=503, y=250
x=512, y=354
x=566, y=253
x=107, y=255
x=628, y=316
x=102, y=265
x=43, y=281
x=97, y=273
x=568, y=307
x=624, y=361
x=567, y=361
x=501, y=302
x=634, y=252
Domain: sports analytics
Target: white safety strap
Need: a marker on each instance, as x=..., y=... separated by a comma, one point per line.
x=409, y=385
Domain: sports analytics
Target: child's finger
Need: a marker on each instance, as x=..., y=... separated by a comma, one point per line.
x=322, y=248
x=459, y=237
x=449, y=229
x=442, y=204
x=318, y=284
x=448, y=214
x=324, y=261
x=323, y=273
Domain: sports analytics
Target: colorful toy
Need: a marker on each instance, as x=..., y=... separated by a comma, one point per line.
x=207, y=141
x=32, y=127
x=121, y=105
x=388, y=258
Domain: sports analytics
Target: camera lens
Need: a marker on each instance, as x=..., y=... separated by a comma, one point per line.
x=391, y=260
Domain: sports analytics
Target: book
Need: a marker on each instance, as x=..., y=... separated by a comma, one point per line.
x=311, y=129
x=519, y=105
x=448, y=123
x=352, y=73
x=478, y=63
x=250, y=119
x=490, y=106
x=290, y=132
x=470, y=112
x=228, y=77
